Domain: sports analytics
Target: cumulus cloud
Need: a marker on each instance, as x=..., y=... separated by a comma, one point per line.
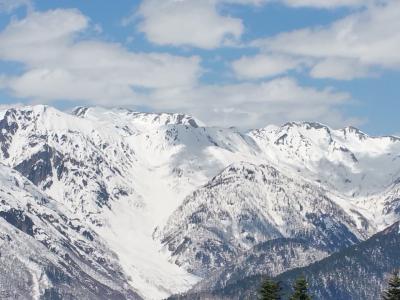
x=324, y=3
x=260, y=66
x=62, y=66
x=256, y=104
x=340, y=69
x=60, y=62
x=348, y=48
x=188, y=23
x=245, y=2
x=192, y=23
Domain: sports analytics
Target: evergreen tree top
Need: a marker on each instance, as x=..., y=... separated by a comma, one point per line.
x=270, y=290
x=300, y=290
x=393, y=291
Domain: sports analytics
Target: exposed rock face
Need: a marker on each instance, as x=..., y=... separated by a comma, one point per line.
x=270, y=259
x=46, y=252
x=358, y=272
x=247, y=205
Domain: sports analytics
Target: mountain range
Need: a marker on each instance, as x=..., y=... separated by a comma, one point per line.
x=357, y=272
x=118, y=204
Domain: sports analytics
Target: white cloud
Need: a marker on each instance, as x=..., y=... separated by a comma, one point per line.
x=201, y=24
x=41, y=37
x=245, y=2
x=260, y=66
x=59, y=65
x=4, y=107
x=189, y=23
x=8, y=6
x=255, y=104
x=370, y=36
x=324, y=3
x=348, y=48
x=341, y=69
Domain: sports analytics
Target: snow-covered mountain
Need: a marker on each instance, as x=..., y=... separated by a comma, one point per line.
x=360, y=272
x=270, y=259
x=346, y=162
x=175, y=199
x=248, y=204
x=47, y=251
x=93, y=163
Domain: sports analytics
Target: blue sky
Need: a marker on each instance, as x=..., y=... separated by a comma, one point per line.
x=246, y=63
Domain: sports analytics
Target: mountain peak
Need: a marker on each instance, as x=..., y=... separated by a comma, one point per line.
x=80, y=111
x=160, y=119
x=355, y=131
x=170, y=119
x=247, y=170
x=30, y=111
x=306, y=125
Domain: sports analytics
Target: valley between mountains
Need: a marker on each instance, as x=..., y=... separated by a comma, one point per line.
x=116, y=204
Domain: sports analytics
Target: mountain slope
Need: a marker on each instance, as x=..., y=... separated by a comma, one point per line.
x=90, y=167
x=47, y=252
x=67, y=158
x=358, y=273
x=270, y=258
x=248, y=204
x=126, y=173
x=345, y=160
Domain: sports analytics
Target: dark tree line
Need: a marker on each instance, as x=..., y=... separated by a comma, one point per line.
x=271, y=290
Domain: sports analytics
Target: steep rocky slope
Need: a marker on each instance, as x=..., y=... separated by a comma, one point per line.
x=359, y=272
x=248, y=204
x=45, y=251
x=270, y=259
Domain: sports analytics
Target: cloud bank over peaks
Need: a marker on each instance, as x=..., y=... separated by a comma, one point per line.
x=256, y=104
x=63, y=61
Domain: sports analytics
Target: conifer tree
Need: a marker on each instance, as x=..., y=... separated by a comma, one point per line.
x=300, y=290
x=393, y=291
x=270, y=290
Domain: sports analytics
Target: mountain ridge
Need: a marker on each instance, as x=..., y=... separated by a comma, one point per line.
x=358, y=272
x=126, y=173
